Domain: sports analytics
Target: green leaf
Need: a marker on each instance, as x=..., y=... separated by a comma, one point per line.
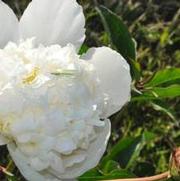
x=149, y=136
x=135, y=69
x=120, y=173
x=145, y=138
x=161, y=106
x=12, y=178
x=165, y=37
x=158, y=93
x=118, y=33
x=84, y=48
x=124, y=151
x=120, y=38
x=164, y=76
x=115, y=174
x=110, y=166
x=91, y=174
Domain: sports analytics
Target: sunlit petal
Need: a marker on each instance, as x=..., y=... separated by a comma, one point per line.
x=54, y=22
x=114, y=75
x=8, y=25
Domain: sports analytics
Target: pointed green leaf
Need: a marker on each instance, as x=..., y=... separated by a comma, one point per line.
x=123, y=151
x=164, y=76
x=159, y=93
x=118, y=33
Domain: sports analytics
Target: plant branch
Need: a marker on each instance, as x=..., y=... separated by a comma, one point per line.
x=4, y=170
x=162, y=176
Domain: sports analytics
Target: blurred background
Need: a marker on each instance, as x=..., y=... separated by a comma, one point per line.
x=155, y=26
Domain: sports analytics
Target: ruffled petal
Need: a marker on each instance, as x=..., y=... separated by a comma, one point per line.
x=8, y=25
x=93, y=155
x=22, y=164
x=54, y=22
x=114, y=75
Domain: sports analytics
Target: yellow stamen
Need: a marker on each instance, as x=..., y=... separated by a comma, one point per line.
x=32, y=76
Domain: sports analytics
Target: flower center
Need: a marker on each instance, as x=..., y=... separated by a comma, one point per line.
x=4, y=127
x=31, y=76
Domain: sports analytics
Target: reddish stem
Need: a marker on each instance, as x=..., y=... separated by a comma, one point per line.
x=2, y=169
x=162, y=176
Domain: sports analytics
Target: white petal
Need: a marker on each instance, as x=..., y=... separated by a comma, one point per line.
x=37, y=145
x=26, y=124
x=65, y=144
x=54, y=22
x=21, y=162
x=39, y=164
x=114, y=74
x=77, y=157
x=8, y=25
x=56, y=162
x=24, y=138
x=94, y=154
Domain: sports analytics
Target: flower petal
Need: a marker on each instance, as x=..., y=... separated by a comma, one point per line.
x=8, y=25
x=114, y=75
x=94, y=153
x=39, y=164
x=22, y=164
x=77, y=157
x=56, y=162
x=58, y=22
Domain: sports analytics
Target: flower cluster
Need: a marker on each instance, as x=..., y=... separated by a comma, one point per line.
x=55, y=104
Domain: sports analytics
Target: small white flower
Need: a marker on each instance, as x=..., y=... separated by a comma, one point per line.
x=54, y=103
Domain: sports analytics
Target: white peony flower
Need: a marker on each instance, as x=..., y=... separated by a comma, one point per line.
x=55, y=104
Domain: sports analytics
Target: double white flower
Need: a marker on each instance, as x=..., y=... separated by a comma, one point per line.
x=54, y=104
